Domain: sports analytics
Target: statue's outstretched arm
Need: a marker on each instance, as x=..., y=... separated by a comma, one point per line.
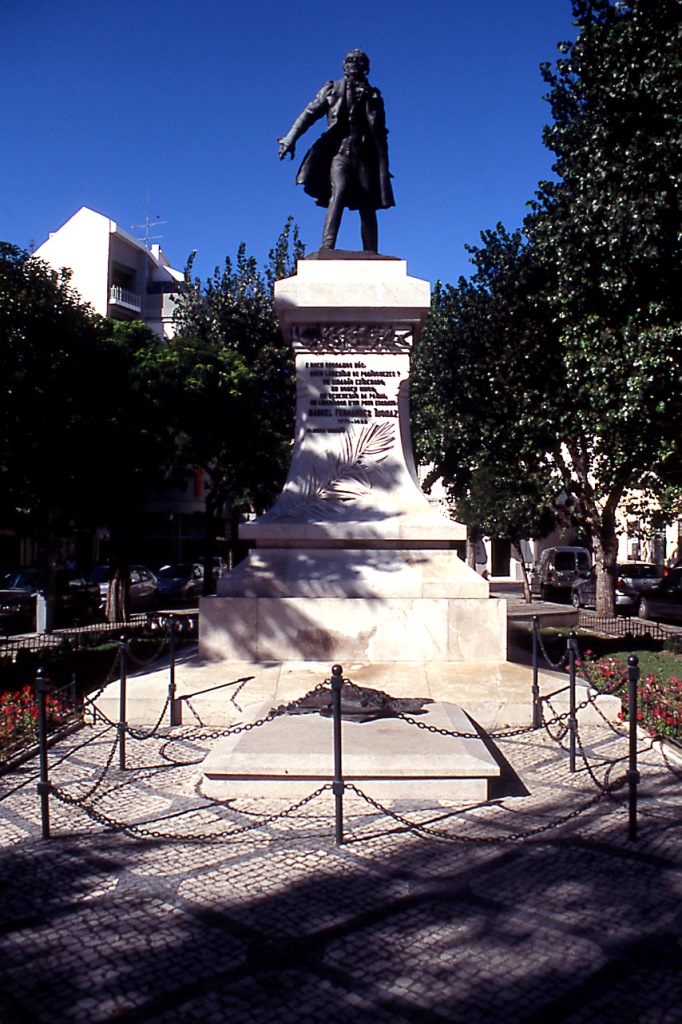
x=312, y=113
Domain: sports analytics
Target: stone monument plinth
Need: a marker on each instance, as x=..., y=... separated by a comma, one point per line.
x=352, y=562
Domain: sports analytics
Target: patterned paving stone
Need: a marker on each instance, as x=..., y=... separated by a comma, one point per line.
x=152, y=905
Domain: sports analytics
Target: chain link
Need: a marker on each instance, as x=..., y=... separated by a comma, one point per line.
x=144, y=662
x=235, y=730
x=84, y=801
x=543, y=650
x=440, y=731
x=137, y=734
x=80, y=801
x=675, y=769
x=229, y=833
x=450, y=837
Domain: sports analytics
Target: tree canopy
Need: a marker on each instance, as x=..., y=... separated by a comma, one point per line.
x=76, y=428
x=229, y=379
x=97, y=414
x=561, y=358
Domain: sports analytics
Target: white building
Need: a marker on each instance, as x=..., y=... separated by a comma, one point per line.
x=123, y=279
x=113, y=271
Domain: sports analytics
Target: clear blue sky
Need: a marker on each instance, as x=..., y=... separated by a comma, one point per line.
x=104, y=104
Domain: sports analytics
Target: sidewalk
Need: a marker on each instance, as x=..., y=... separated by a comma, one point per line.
x=533, y=908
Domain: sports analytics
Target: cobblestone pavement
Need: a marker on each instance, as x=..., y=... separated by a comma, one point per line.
x=152, y=905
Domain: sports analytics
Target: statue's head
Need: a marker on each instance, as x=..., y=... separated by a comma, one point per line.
x=356, y=63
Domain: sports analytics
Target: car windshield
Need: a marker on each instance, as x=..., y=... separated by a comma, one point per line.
x=19, y=580
x=175, y=571
x=100, y=574
x=639, y=572
x=564, y=561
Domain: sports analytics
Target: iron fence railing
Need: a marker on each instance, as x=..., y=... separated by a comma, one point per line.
x=141, y=624
x=628, y=626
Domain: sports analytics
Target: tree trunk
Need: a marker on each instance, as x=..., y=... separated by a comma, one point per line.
x=605, y=545
x=118, y=597
x=526, y=582
x=117, y=608
x=473, y=536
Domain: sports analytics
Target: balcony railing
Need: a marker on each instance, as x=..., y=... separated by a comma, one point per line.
x=122, y=297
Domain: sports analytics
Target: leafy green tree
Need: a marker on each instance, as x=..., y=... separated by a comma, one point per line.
x=80, y=442
x=477, y=379
x=233, y=384
x=47, y=347
x=608, y=236
x=562, y=355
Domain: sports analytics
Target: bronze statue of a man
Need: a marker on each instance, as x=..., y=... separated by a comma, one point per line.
x=347, y=167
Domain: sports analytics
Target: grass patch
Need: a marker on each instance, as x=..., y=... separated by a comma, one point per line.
x=604, y=660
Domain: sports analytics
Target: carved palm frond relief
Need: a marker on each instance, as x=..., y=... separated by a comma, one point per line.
x=349, y=476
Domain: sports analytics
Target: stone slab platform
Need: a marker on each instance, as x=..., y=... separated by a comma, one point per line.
x=293, y=755
x=494, y=694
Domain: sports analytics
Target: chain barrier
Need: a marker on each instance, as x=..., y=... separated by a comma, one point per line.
x=506, y=733
x=130, y=730
x=606, y=788
x=185, y=737
x=239, y=683
x=80, y=801
x=156, y=656
x=194, y=712
x=541, y=643
x=233, y=697
x=674, y=769
x=140, y=831
x=511, y=837
x=137, y=734
x=55, y=762
x=234, y=730
x=559, y=719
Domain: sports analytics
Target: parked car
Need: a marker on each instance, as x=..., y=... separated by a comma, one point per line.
x=76, y=599
x=144, y=586
x=664, y=601
x=558, y=569
x=641, y=576
x=181, y=582
x=219, y=566
x=584, y=592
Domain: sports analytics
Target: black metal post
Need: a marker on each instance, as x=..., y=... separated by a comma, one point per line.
x=74, y=693
x=44, y=783
x=175, y=705
x=572, y=721
x=537, y=717
x=123, y=650
x=633, y=774
x=337, y=786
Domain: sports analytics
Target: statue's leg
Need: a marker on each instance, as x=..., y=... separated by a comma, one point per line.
x=369, y=230
x=338, y=180
x=332, y=221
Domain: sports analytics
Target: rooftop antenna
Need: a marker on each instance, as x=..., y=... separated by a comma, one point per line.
x=147, y=225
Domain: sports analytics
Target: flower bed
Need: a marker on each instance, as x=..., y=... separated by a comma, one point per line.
x=659, y=699
x=19, y=717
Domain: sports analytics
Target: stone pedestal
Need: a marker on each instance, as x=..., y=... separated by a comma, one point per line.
x=352, y=563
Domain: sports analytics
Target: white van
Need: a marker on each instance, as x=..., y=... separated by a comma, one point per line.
x=556, y=572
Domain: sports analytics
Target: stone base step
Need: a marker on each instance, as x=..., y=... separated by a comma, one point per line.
x=388, y=759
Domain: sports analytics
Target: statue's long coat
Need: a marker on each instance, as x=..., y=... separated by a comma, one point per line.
x=314, y=172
